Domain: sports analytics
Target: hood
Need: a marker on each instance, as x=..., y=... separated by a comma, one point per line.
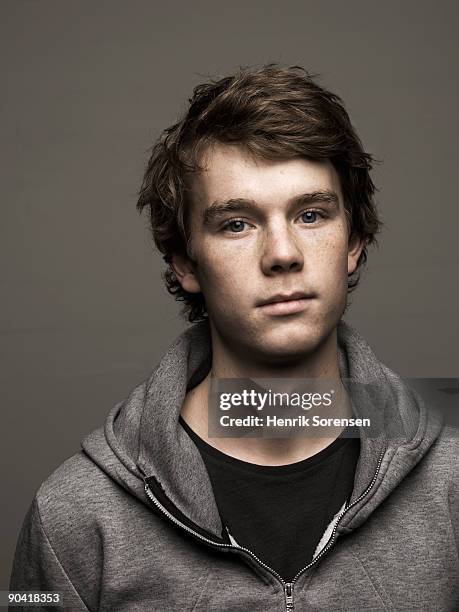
x=142, y=436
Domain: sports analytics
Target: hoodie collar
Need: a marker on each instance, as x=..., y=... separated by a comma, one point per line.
x=143, y=432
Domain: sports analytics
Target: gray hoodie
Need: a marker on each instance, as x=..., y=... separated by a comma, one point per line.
x=130, y=522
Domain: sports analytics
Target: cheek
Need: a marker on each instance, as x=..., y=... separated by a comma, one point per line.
x=220, y=278
x=331, y=256
x=331, y=270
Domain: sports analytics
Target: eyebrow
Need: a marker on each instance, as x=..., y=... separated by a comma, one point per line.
x=219, y=209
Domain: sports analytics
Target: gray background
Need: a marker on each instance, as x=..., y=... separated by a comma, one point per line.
x=87, y=86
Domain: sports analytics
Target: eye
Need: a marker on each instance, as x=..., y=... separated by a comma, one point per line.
x=235, y=226
x=309, y=216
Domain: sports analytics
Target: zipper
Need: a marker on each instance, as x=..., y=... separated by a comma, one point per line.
x=172, y=518
x=287, y=586
x=332, y=539
x=288, y=591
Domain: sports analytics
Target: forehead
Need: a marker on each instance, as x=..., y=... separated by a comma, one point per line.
x=230, y=172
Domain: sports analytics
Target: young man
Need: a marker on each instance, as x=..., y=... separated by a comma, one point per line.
x=261, y=201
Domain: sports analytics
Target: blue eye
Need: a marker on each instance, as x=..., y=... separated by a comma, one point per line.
x=309, y=216
x=235, y=226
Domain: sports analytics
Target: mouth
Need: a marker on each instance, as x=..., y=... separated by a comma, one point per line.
x=285, y=304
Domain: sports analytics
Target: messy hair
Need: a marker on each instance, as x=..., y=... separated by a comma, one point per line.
x=273, y=113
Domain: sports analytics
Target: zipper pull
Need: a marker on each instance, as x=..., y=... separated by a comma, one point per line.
x=288, y=590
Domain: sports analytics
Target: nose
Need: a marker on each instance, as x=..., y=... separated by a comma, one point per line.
x=281, y=251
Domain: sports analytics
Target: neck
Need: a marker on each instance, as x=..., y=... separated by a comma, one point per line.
x=322, y=363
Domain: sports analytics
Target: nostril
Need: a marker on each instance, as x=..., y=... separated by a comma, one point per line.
x=291, y=267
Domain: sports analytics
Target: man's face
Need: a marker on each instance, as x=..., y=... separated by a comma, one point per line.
x=261, y=232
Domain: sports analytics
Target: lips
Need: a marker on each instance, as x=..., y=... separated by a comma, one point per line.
x=284, y=297
x=283, y=304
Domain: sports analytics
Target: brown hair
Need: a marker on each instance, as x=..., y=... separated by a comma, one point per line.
x=273, y=113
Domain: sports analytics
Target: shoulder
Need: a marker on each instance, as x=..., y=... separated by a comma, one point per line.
x=438, y=471
x=73, y=487
x=84, y=496
x=444, y=452
x=67, y=506
x=59, y=547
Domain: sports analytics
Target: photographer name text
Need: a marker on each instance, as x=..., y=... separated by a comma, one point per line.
x=251, y=421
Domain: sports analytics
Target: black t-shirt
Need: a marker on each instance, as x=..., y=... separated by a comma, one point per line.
x=281, y=512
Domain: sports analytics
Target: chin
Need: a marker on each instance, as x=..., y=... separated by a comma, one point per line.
x=291, y=344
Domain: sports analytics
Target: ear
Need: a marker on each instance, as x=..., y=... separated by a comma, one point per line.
x=355, y=249
x=185, y=271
